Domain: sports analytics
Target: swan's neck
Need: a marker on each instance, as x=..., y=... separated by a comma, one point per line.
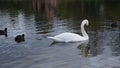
x=83, y=31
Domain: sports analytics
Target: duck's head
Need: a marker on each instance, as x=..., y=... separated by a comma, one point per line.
x=23, y=35
x=5, y=29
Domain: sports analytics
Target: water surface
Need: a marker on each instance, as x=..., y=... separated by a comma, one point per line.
x=40, y=18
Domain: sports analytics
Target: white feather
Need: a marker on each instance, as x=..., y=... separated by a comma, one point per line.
x=72, y=37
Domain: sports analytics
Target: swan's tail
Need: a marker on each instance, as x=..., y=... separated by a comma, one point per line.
x=55, y=39
x=51, y=37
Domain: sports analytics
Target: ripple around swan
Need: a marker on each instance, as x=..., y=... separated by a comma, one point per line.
x=43, y=28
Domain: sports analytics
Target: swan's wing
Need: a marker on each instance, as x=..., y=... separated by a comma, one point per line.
x=69, y=37
x=55, y=39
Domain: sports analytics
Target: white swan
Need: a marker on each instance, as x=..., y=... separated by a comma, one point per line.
x=72, y=37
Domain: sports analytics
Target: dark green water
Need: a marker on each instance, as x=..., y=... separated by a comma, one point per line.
x=40, y=18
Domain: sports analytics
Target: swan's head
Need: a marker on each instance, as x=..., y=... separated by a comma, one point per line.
x=86, y=22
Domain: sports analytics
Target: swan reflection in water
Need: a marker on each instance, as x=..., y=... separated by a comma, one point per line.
x=85, y=49
x=82, y=46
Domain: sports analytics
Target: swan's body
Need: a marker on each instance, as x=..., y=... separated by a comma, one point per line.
x=72, y=37
x=68, y=37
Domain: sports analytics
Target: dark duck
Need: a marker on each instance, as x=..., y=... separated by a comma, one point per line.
x=3, y=32
x=20, y=38
x=114, y=25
